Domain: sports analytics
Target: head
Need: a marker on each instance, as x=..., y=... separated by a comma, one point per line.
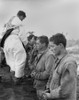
x=42, y=42
x=31, y=39
x=21, y=14
x=57, y=43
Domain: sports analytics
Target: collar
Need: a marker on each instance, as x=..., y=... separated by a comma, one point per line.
x=43, y=51
x=62, y=55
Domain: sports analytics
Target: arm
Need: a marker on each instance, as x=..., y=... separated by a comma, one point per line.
x=49, y=64
x=16, y=21
x=68, y=79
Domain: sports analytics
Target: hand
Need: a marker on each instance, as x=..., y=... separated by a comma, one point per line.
x=48, y=95
x=33, y=74
x=47, y=91
x=44, y=96
x=15, y=27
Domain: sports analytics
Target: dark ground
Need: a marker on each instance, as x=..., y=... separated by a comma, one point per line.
x=25, y=91
x=9, y=91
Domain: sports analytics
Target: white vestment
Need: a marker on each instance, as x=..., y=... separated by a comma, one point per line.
x=15, y=53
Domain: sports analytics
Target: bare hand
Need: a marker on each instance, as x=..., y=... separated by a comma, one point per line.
x=33, y=74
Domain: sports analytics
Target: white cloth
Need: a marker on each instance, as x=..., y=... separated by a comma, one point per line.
x=13, y=22
x=15, y=55
x=16, y=23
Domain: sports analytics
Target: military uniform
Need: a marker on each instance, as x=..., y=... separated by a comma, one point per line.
x=63, y=85
x=42, y=70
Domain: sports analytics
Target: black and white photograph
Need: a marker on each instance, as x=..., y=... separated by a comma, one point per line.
x=39, y=49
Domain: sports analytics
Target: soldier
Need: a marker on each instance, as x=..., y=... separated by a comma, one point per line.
x=63, y=85
x=43, y=64
x=31, y=53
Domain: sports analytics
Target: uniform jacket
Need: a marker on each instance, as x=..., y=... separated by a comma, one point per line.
x=43, y=68
x=63, y=84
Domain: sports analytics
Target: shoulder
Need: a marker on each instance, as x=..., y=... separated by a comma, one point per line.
x=49, y=54
x=68, y=62
x=16, y=21
x=69, y=59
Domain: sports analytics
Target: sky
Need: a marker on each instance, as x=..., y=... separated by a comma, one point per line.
x=44, y=17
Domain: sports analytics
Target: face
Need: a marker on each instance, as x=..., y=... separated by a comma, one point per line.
x=21, y=18
x=55, y=48
x=32, y=41
x=39, y=46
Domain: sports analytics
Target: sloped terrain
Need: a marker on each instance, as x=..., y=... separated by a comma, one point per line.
x=9, y=91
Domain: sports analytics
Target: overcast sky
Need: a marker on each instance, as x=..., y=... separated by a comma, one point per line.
x=44, y=16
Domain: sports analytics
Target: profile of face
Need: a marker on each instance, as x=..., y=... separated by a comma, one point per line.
x=39, y=45
x=32, y=41
x=56, y=49
x=21, y=18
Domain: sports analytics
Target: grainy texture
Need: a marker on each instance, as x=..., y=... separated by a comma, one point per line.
x=9, y=91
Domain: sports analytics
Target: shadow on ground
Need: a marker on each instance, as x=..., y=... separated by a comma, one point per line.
x=9, y=91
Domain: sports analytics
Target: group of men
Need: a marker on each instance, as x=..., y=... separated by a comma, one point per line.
x=54, y=71
x=52, y=68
